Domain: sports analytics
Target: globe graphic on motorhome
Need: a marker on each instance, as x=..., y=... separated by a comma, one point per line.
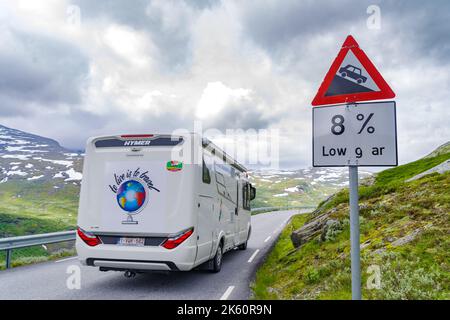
x=131, y=196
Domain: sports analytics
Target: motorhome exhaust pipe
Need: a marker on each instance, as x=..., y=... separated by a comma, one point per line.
x=129, y=274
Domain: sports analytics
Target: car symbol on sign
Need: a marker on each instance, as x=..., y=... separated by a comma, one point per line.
x=352, y=72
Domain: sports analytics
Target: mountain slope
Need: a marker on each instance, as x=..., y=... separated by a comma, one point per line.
x=28, y=157
x=39, y=187
x=445, y=148
x=39, y=184
x=303, y=187
x=405, y=229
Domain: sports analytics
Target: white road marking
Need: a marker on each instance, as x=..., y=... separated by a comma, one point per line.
x=268, y=238
x=253, y=256
x=227, y=293
x=62, y=260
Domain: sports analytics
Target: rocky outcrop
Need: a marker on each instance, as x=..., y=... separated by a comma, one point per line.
x=440, y=168
x=310, y=230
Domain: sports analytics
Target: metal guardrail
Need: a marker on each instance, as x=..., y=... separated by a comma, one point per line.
x=281, y=208
x=9, y=244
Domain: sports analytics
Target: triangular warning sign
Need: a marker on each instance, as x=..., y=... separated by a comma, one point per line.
x=351, y=78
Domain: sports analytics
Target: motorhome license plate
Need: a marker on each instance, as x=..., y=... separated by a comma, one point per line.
x=125, y=241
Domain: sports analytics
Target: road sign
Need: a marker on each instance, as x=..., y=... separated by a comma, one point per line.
x=352, y=77
x=359, y=134
x=354, y=134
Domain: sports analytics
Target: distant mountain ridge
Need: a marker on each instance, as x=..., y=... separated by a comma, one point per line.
x=302, y=187
x=25, y=156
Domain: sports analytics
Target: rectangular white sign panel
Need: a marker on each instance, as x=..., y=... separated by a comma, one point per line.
x=358, y=134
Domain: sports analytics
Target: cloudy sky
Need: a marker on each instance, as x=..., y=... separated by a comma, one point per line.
x=73, y=69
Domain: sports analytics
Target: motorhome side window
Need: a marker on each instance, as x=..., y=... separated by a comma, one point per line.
x=206, y=176
x=246, y=196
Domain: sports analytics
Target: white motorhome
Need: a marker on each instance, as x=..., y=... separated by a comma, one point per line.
x=160, y=202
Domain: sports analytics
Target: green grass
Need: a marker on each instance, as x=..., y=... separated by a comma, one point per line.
x=266, y=190
x=265, y=276
x=35, y=254
x=16, y=225
x=406, y=171
x=386, y=181
x=390, y=209
x=34, y=208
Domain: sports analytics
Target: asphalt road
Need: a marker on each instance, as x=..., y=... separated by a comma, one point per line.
x=49, y=280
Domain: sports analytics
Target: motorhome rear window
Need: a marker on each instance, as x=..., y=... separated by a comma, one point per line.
x=162, y=141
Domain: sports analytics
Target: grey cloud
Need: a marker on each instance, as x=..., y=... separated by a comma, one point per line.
x=242, y=115
x=203, y=4
x=116, y=123
x=273, y=24
x=11, y=107
x=173, y=43
x=425, y=24
x=40, y=70
x=73, y=129
x=131, y=13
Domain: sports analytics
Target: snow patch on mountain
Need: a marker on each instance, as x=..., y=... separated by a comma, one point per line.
x=25, y=156
x=16, y=172
x=299, y=187
x=35, y=177
x=73, y=175
x=292, y=189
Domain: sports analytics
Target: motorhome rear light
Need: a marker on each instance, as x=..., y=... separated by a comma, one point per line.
x=136, y=136
x=174, y=242
x=89, y=238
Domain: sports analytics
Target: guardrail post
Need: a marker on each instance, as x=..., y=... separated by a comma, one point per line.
x=8, y=244
x=8, y=258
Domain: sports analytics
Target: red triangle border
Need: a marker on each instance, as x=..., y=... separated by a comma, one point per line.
x=351, y=44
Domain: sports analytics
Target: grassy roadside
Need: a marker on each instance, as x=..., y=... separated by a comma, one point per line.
x=34, y=208
x=265, y=276
x=405, y=228
x=36, y=254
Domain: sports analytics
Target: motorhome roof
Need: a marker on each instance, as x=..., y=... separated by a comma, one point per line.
x=209, y=145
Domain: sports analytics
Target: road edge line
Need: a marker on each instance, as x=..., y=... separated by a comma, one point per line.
x=227, y=293
x=253, y=256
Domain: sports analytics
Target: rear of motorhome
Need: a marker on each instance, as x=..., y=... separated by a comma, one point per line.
x=160, y=202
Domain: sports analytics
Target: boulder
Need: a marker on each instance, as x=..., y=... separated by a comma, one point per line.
x=310, y=230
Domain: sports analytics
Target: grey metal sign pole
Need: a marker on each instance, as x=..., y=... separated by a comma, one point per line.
x=354, y=233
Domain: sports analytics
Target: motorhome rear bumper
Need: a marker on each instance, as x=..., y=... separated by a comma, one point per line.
x=109, y=256
x=121, y=265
